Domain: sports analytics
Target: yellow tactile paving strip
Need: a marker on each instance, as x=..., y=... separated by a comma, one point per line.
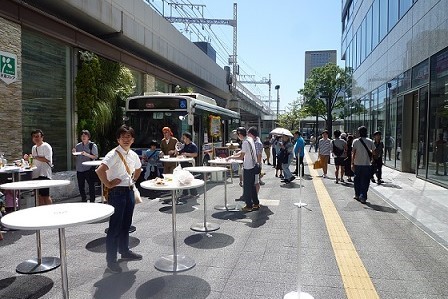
x=356, y=280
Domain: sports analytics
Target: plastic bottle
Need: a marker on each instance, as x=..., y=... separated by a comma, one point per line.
x=30, y=160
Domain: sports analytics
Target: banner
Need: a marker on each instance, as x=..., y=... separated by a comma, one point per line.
x=215, y=126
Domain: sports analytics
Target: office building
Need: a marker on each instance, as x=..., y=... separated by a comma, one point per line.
x=315, y=59
x=398, y=51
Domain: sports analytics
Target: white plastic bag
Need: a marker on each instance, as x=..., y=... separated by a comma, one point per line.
x=137, y=196
x=184, y=177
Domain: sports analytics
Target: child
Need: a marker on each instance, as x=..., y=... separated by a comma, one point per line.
x=151, y=157
x=377, y=159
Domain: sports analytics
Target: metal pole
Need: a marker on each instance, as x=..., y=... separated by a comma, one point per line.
x=63, y=256
x=205, y=197
x=173, y=221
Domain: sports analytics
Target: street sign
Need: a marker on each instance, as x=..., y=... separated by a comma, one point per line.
x=8, y=67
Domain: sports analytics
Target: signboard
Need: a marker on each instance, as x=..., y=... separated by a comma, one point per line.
x=8, y=67
x=215, y=126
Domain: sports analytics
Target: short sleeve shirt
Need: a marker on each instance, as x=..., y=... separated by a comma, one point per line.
x=249, y=158
x=341, y=144
x=117, y=169
x=80, y=147
x=190, y=148
x=361, y=155
x=300, y=144
x=42, y=168
x=325, y=147
x=258, y=146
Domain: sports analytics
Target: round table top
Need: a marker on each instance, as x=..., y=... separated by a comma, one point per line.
x=92, y=163
x=176, y=159
x=34, y=184
x=57, y=215
x=10, y=169
x=205, y=169
x=171, y=185
x=225, y=162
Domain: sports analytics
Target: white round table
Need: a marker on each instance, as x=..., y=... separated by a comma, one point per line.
x=96, y=163
x=174, y=262
x=40, y=264
x=205, y=226
x=177, y=160
x=58, y=216
x=227, y=163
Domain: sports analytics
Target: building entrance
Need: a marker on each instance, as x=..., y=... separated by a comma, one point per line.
x=409, y=138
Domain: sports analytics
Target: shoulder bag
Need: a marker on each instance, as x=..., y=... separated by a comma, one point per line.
x=138, y=198
x=369, y=152
x=257, y=167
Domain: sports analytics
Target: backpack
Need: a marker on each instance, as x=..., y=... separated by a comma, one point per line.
x=336, y=150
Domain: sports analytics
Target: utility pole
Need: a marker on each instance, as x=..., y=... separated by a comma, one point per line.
x=277, y=87
x=262, y=81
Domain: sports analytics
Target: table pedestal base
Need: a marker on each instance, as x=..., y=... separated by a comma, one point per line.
x=167, y=263
x=31, y=266
x=209, y=227
x=228, y=207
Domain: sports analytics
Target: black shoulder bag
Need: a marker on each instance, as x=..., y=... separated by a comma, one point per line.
x=257, y=167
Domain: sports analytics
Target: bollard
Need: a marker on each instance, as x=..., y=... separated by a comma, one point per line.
x=299, y=294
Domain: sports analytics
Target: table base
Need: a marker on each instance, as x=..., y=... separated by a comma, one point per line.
x=209, y=227
x=31, y=266
x=229, y=207
x=167, y=264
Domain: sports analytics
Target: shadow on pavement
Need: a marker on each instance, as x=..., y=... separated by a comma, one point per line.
x=99, y=245
x=228, y=215
x=381, y=208
x=214, y=241
x=390, y=185
x=26, y=286
x=11, y=236
x=174, y=286
x=113, y=286
x=259, y=217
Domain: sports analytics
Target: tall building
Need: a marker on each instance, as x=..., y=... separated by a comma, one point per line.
x=315, y=59
x=398, y=51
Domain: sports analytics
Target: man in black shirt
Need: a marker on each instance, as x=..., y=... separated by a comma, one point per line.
x=190, y=150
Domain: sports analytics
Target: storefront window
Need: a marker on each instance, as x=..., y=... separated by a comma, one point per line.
x=381, y=109
x=46, y=95
x=422, y=132
x=420, y=74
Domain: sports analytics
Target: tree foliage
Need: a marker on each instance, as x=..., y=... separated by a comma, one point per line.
x=324, y=90
x=102, y=86
x=291, y=118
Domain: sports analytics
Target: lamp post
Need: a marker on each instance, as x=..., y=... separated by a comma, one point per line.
x=277, y=87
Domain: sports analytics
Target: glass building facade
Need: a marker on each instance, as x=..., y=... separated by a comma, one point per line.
x=398, y=52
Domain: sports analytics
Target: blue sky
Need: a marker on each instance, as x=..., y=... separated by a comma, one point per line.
x=273, y=37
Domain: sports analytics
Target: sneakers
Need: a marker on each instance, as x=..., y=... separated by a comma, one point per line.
x=342, y=181
x=380, y=181
x=262, y=183
x=356, y=197
x=239, y=199
x=362, y=199
x=349, y=180
x=337, y=181
x=373, y=180
x=114, y=267
x=255, y=207
x=292, y=178
x=246, y=209
x=131, y=256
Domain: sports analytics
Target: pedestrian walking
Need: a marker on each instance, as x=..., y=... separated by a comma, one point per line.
x=253, y=133
x=361, y=164
x=86, y=151
x=348, y=161
x=286, y=156
x=377, y=158
x=324, y=152
x=312, y=143
x=119, y=171
x=339, y=149
x=299, y=152
x=267, y=150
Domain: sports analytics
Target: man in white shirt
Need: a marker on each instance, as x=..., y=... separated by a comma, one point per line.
x=42, y=154
x=248, y=155
x=361, y=164
x=119, y=171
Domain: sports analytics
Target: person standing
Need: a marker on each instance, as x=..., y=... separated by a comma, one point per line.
x=377, y=159
x=119, y=171
x=299, y=152
x=42, y=153
x=339, y=149
x=361, y=157
x=168, y=147
x=274, y=141
x=348, y=161
x=247, y=154
x=89, y=151
x=287, y=155
x=312, y=143
x=253, y=133
x=324, y=152
x=190, y=150
x=267, y=150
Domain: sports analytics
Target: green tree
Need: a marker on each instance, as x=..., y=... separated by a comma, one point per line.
x=102, y=86
x=291, y=118
x=323, y=92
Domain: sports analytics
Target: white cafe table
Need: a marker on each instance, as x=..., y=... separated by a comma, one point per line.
x=58, y=216
x=227, y=163
x=39, y=264
x=177, y=160
x=96, y=163
x=13, y=170
x=175, y=262
x=205, y=226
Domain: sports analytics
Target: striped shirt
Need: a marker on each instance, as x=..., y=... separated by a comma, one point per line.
x=325, y=147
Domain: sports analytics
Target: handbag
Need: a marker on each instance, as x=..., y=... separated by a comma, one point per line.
x=137, y=196
x=317, y=164
x=257, y=167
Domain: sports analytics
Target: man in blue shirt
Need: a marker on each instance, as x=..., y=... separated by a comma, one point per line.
x=190, y=150
x=299, y=152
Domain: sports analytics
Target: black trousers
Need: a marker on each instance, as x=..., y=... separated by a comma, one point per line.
x=299, y=161
x=274, y=157
x=377, y=164
x=89, y=177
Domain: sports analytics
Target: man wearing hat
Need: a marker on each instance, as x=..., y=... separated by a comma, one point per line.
x=89, y=151
x=168, y=147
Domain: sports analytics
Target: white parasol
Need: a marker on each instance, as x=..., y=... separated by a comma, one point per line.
x=281, y=131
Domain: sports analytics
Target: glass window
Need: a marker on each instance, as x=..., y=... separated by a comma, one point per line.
x=422, y=158
x=404, y=81
x=375, y=23
x=381, y=109
x=369, y=32
x=374, y=112
x=46, y=94
x=358, y=48
x=383, y=18
x=393, y=13
x=438, y=122
x=420, y=73
x=362, y=44
x=399, y=133
x=404, y=7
